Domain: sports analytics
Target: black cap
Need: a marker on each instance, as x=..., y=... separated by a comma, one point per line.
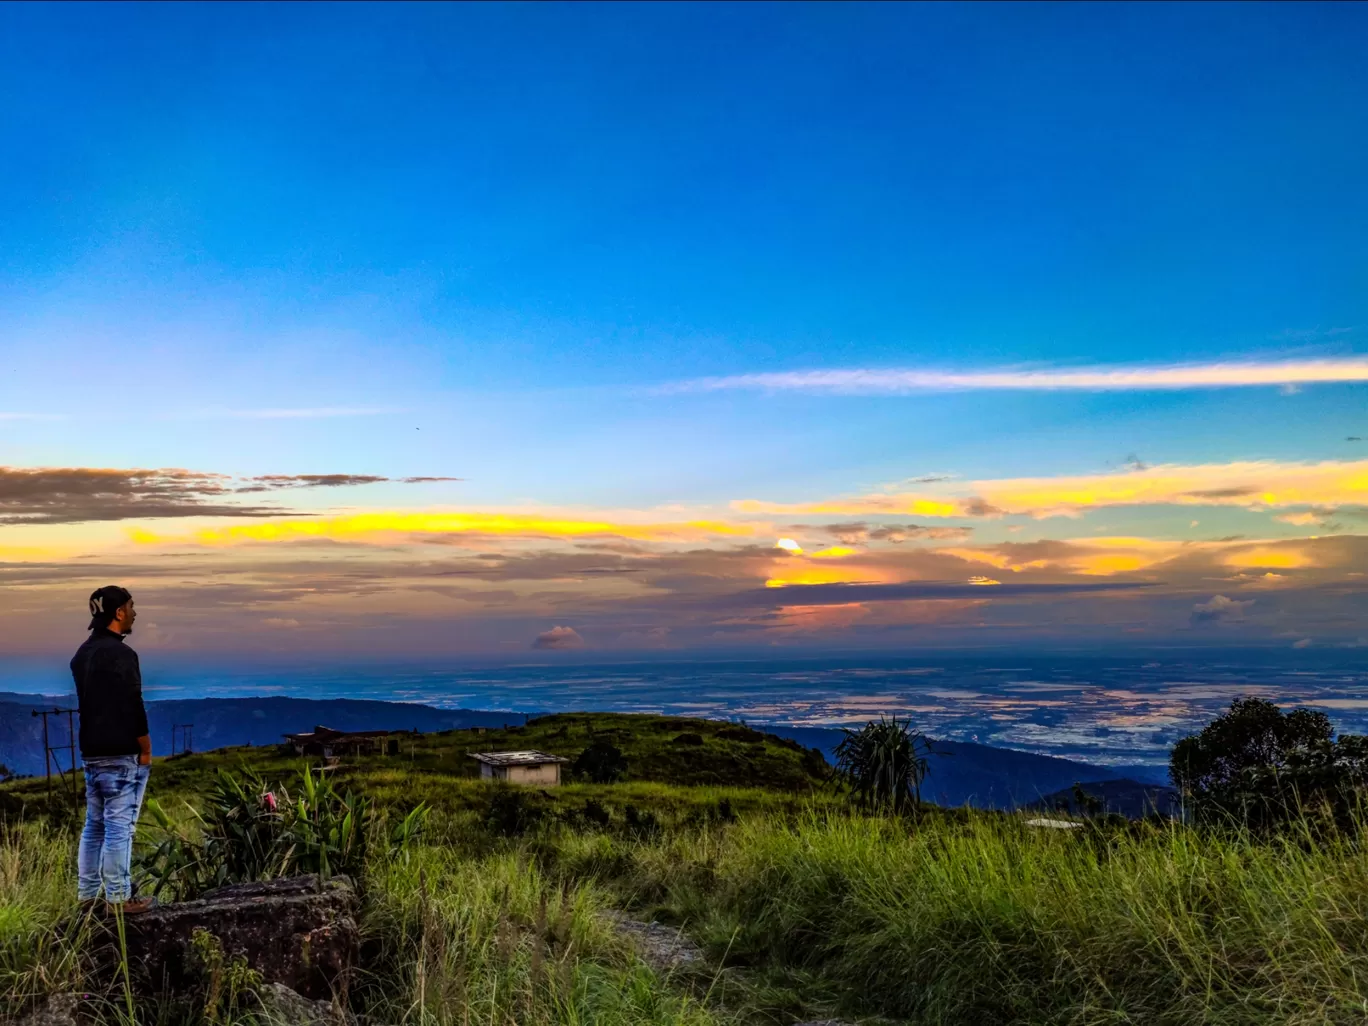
x=104, y=603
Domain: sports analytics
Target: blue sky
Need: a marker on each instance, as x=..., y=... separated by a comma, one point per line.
x=504, y=244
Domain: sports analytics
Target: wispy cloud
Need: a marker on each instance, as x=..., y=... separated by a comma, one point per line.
x=1246, y=484
x=895, y=381
x=306, y=413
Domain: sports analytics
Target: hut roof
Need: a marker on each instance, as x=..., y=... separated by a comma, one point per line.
x=530, y=758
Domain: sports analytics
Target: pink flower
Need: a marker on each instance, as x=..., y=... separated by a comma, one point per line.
x=269, y=800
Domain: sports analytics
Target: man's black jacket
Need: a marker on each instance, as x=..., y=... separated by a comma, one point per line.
x=109, y=687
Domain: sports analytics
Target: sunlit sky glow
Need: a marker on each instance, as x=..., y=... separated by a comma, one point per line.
x=685, y=328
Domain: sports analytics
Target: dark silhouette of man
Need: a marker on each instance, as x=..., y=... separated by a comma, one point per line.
x=116, y=750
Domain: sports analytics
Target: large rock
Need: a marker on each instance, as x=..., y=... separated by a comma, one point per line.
x=297, y=932
x=58, y=1010
x=281, y=1006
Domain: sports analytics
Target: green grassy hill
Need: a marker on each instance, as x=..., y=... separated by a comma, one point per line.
x=807, y=909
x=683, y=754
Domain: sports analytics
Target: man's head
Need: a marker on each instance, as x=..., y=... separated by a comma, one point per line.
x=111, y=607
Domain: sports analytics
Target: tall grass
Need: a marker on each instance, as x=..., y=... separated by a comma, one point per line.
x=959, y=918
x=491, y=940
x=988, y=920
x=37, y=892
x=456, y=933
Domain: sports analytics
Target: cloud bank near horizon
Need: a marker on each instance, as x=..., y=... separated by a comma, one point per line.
x=470, y=579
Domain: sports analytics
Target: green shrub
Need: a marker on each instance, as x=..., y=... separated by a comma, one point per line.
x=884, y=763
x=1262, y=769
x=250, y=832
x=512, y=811
x=601, y=763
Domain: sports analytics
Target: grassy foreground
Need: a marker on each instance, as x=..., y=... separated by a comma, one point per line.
x=987, y=920
x=958, y=918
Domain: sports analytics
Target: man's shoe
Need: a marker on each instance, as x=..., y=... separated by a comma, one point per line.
x=136, y=907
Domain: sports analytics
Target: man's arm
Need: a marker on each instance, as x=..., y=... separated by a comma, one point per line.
x=134, y=673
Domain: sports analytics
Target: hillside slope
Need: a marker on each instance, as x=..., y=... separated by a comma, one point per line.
x=967, y=774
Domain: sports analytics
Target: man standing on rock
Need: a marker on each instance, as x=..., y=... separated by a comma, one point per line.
x=116, y=749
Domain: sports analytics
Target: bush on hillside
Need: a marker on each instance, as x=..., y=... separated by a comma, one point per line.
x=884, y=764
x=641, y=823
x=512, y=811
x=814, y=764
x=741, y=733
x=1262, y=768
x=601, y=763
x=595, y=813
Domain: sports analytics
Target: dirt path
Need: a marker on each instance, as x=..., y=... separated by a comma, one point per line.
x=668, y=951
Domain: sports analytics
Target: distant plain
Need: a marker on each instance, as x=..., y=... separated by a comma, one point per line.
x=1105, y=709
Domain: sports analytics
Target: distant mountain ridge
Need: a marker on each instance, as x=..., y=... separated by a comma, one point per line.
x=1132, y=798
x=985, y=776
x=967, y=773
x=225, y=722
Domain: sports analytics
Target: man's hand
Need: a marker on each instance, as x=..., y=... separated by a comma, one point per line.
x=145, y=750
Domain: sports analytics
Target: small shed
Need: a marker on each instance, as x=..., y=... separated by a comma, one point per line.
x=520, y=767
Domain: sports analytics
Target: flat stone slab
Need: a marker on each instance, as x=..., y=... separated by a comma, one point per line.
x=296, y=931
x=664, y=948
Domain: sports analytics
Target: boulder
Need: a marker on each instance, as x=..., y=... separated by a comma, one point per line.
x=298, y=932
x=281, y=1006
x=58, y=1010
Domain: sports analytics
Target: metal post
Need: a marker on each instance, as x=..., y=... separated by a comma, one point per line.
x=71, y=756
x=71, y=743
x=47, y=752
x=50, y=752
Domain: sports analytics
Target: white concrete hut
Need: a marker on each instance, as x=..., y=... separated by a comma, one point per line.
x=535, y=768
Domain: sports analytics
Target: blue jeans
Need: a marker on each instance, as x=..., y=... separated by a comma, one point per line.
x=114, y=795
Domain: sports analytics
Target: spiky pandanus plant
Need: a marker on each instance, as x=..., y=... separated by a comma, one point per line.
x=884, y=763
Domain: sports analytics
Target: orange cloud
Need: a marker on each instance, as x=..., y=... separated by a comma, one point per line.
x=834, y=552
x=996, y=558
x=1270, y=557
x=821, y=618
x=362, y=526
x=826, y=575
